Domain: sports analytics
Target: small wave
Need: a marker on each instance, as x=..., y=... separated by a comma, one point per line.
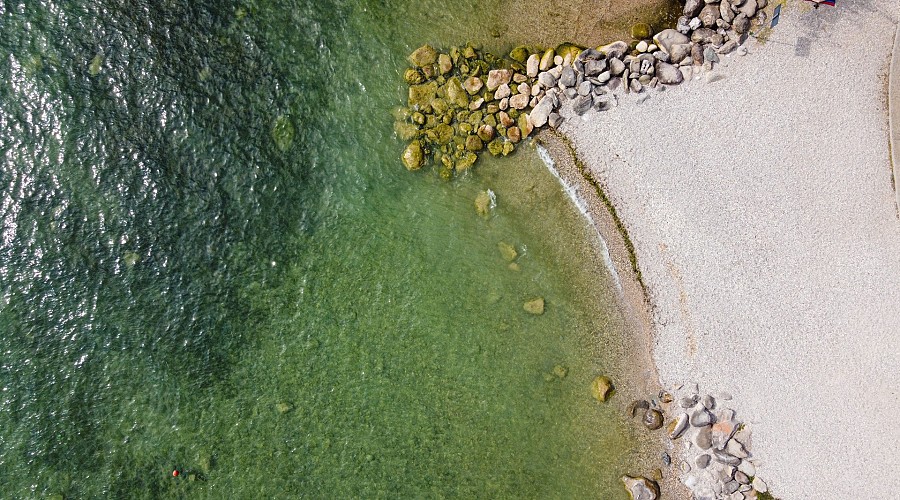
x=582, y=207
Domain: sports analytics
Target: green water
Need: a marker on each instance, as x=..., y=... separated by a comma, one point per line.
x=212, y=260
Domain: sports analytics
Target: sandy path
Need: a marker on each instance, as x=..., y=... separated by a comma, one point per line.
x=764, y=220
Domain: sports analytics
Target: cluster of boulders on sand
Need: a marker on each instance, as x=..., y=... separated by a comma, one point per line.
x=716, y=461
x=464, y=101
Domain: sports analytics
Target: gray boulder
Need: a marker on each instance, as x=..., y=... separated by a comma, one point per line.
x=581, y=104
x=668, y=74
x=725, y=11
x=616, y=67
x=748, y=9
x=665, y=39
x=709, y=55
x=547, y=79
x=679, y=52
x=683, y=25
x=541, y=112
x=692, y=7
x=614, y=50
x=567, y=78
x=741, y=24
x=594, y=68
x=702, y=35
x=709, y=15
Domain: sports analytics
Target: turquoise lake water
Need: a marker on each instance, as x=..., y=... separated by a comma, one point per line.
x=212, y=260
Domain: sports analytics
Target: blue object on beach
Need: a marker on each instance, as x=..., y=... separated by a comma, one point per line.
x=776, y=16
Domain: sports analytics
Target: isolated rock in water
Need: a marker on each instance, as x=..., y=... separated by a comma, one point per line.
x=507, y=251
x=665, y=39
x=640, y=31
x=423, y=56
x=601, y=388
x=541, y=112
x=614, y=50
x=413, y=156
x=668, y=74
x=640, y=488
x=534, y=306
x=483, y=202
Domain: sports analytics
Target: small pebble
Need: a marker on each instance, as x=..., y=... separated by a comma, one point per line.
x=709, y=402
x=741, y=477
x=759, y=485
x=702, y=461
x=688, y=402
x=685, y=467
x=667, y=459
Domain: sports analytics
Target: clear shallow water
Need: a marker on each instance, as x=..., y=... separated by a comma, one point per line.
x=213, y=260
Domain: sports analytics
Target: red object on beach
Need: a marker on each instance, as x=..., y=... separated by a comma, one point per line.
x=175, y=473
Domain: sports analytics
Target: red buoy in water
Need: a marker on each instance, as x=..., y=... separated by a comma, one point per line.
x=175, y=473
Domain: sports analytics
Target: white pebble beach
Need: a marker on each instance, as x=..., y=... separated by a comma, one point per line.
x=765, y=223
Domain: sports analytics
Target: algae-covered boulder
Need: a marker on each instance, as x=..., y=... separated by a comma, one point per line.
x=441, y=133
x=495, y=147
x=547, y=60
x=413, y=156
x=423, y=56
x=456, y=94
x=601, y=388
x=444, y=64
x=569, y=50
x=466, y=160
x=413, y=76
x=406, y=131
x=421, y=95
x=519, y=54
x=640, y=31
x=534, y=306
x=474, y=143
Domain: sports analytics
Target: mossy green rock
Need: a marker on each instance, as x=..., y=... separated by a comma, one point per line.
x=508, y=148
x=413, y=156
x=601, y=388
x=495, y=147
x=640, y=31
x=465, y=161
x=568, y=49
x=406, y=131
x=441, y=133
x=456, y=94
x=421, y=95
x=474, y=143
x=519, y=54
x=423, y=56
x=413, y=76
x=483, y=203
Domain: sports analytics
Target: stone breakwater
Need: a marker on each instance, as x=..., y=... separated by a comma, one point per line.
x=465, y=100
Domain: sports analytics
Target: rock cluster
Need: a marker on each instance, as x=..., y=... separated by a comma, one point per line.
x=464, y=101
x=717, y=463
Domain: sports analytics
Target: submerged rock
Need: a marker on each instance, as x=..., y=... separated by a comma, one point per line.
x=534, y=306
x=507, y=251
x=652, y=420
x=483, y=202
x=601, y=388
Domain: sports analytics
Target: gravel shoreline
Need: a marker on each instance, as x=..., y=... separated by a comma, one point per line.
x=763, y=219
